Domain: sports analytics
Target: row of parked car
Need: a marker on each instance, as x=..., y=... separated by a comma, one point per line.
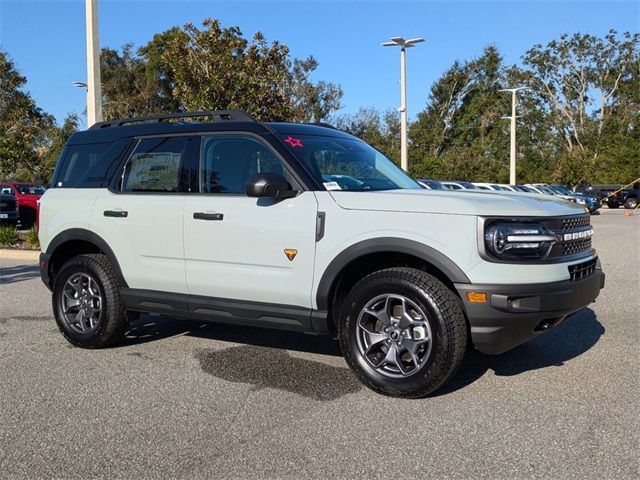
x=19, y=203
x=582, y=198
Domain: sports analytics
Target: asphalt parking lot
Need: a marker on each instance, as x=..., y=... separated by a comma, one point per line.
x=186, y=399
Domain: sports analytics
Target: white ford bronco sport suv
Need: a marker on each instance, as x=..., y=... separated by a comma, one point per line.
x=305, y=228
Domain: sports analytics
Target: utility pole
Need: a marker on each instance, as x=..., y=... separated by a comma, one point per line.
x=403, y=44
x=512, y=147
x=94, y=89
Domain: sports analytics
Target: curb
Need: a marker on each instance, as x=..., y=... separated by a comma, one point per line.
x=19, y=254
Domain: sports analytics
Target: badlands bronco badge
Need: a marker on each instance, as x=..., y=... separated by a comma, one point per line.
x=290, y=253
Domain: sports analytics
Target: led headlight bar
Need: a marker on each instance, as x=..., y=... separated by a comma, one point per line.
x=518, y=240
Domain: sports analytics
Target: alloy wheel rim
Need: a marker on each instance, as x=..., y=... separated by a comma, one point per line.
x=394, y=335
x=81, y=303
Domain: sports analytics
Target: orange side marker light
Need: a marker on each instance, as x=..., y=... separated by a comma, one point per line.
x=477, y=297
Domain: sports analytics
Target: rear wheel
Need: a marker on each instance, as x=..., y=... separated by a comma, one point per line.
x=612, y=204
x=631, y=203
x=403, y=332
x=86, y=302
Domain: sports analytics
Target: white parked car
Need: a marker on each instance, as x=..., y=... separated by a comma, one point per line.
x=458, y=185
x=250, y=223
x=491, y=186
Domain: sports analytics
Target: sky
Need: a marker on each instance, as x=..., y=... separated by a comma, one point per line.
x=46, y=38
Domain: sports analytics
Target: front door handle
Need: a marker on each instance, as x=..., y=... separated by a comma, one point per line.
x=207, y=216
x=116, y=213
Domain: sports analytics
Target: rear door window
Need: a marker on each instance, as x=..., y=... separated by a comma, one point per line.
x=155, y=166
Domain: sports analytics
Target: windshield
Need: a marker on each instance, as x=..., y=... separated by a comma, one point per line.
x=346, y=164
x=30, y=189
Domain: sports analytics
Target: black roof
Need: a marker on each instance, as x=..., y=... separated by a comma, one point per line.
x=104, y=132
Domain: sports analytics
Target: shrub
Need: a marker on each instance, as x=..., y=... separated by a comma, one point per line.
x=32, y=239
x=8, y=235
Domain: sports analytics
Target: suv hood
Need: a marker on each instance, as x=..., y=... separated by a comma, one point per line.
x=457, y=202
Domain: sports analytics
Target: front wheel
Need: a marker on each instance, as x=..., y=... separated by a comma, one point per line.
x=86, y=302
x=403, y=332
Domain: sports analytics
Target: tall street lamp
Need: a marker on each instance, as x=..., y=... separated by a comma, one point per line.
x=403, y=44
x=512, y=150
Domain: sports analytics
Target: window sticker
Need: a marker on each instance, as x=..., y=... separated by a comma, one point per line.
x=332, y=186
x=294, y=142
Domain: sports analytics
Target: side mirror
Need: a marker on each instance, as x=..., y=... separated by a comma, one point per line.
x=268, y=185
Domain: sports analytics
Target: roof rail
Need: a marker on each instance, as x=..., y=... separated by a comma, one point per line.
x=323, y=124
x=216, y=115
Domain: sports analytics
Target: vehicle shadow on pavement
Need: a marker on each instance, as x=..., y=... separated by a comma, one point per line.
x=262, y=360
x=19, y=273
x=570, y=339
x=274, y=368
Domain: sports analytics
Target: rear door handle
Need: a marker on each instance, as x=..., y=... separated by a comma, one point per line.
x=207, y=216
x=116, y=213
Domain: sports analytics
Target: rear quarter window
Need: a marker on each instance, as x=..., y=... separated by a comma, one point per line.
x=88, y=165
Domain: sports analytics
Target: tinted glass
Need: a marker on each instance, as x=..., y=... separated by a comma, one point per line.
x=80, y=162
x=154, y=166
x=226, y=162
x=30, y=189
x=347, y=164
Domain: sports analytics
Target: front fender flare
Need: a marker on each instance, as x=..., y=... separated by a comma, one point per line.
x=385, y=244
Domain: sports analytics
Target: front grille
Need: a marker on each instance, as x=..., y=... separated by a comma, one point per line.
x=575, y=246
x=8, y=205
x=575, y=223
x=582, y=270
x=567, y=225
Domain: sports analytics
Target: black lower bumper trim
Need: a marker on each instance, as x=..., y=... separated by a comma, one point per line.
x=44, y=269
x=517, y=313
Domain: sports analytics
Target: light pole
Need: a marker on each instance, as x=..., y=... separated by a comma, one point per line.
x=403, y=44
x=512, y=149
x=94, y=90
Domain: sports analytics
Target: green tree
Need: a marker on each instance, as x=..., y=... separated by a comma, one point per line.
x=381, y=131
x=460, y=134
x=579, y=79
x=23, y=126
x=214, y=68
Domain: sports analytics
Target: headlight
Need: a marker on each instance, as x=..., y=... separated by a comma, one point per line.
x=581, y=200
x=518, y=241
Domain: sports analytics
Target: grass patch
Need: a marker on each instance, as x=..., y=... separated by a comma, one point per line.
x=9, y=236
x=31, y=239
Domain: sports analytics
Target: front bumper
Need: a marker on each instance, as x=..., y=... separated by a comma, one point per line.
x=9, y=217
x=514, y=314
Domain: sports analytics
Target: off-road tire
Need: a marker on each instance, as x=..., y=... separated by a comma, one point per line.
x=444, y=314
x=113, y=322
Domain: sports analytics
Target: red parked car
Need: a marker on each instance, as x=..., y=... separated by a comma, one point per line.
x=27, y=195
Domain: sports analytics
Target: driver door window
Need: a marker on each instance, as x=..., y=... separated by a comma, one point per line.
x=228, y=161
